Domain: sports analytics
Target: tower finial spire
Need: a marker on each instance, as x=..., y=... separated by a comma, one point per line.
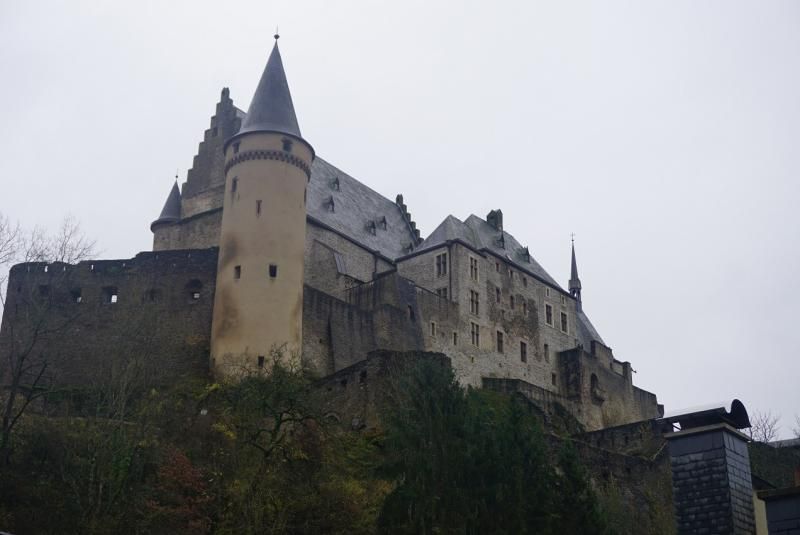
x=277, y=35
x=574, y=281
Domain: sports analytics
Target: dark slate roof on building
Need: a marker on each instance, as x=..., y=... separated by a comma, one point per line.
x=586, y=331
x=356, y=211
x=481, y=236
x=271, y=109
x=172, y=208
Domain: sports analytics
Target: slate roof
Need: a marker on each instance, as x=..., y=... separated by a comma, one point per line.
x=357, y=211
x=172, y=208
x=481, y=236
x=271, y=109
x=586, y=331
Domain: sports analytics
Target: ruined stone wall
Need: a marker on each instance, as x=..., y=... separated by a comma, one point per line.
x=99, y=316
x=604, y=397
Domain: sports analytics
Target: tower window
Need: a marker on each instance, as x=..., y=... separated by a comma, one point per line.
x=476, y=334
x=193, y=288
x=237, y=272
x=497, y=294
x=548, y=314
x=433, y=328
x=76, y=295
x=273, y=271
x=441, y=265
x=554, y=379
x=261, y=361
x=234, y=184
x=499, y=342
x=564, y=324
x=287, y=145
x=455, y=338
x=523, y=352
x=511, y=302
x=524, y=281
x=258, y=207
x=236, y=148
x=524, y=308
x=546, y=353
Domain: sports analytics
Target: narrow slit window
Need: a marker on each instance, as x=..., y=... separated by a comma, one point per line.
x=511, y=302
x=273, y=271
x=546, y=353
x=554, y=379
x=455, y=338
x=258, y=207
x=261, y=361
x=236, y=148
x=433, y=328
x=499, y=342
x=234, y=184
x=237, y=272
x=523, y=352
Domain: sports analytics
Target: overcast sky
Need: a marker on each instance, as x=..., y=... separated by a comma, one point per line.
x=665, y=135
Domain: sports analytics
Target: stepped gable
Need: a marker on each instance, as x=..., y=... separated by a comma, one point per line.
x=345, y=205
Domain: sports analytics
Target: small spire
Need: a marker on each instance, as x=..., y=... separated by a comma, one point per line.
x=277, y=35
x=574, y=281
x=171, y=212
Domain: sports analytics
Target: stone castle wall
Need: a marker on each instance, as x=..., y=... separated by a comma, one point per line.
x=95, y=317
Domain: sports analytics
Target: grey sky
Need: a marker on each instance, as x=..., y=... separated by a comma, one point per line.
x=664, y=134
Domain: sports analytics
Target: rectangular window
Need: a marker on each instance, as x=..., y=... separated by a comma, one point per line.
x=476, y=335
x=261, y=361
x=523, y=352
x=474, y=305
x=258, y=207
x=76, y=295
x=497, y=267
x=511, y=302
x=524, y=308
x=441, y=265
x=563, y=300
x=554, y=379
x=564, y=324
x=524, y=282
x=236, y=148
x=234, y=184
x=546, y=353
x=497, y=294
x=237, y=272
x=499, y=342
x=433, y=328
x=442, y=292
x=455, y=338
x=548, y=314
x=473, y=268
x=547, y=292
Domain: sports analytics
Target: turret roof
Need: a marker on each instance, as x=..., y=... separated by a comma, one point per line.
x=271, y=109
x=172, y=208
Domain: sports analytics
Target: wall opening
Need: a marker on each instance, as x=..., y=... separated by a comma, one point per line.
x=194, y=290
x=273, y=271
x=258, y=207
x=75, y=293
x=261, y=361
x=237, y=272
x=287, y=145
x=110, y=294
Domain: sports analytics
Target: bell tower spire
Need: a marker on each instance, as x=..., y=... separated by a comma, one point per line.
x=574, y=281
x=258, y=302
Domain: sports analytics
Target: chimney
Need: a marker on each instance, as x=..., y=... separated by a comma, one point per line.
x=495, y=219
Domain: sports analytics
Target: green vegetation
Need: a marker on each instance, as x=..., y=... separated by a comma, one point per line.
x=258, y=456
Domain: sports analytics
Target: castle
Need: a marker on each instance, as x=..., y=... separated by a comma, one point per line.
x=267, y=245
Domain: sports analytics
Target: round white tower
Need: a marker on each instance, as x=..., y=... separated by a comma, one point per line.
x=258, y=303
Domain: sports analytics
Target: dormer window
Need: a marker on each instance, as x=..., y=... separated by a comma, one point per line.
x=287, y=145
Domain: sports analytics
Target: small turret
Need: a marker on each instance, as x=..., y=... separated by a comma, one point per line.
x=171, y=213
x=574, y=281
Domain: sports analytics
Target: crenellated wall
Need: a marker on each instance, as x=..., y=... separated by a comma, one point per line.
x=89, y=318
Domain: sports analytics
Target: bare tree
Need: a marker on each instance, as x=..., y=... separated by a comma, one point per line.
x=764, y=426
x=28, y=330
x=796, y=430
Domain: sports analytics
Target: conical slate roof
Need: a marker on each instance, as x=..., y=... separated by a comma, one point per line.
x=271, y=109
x=574, y=281
x=172, y=208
